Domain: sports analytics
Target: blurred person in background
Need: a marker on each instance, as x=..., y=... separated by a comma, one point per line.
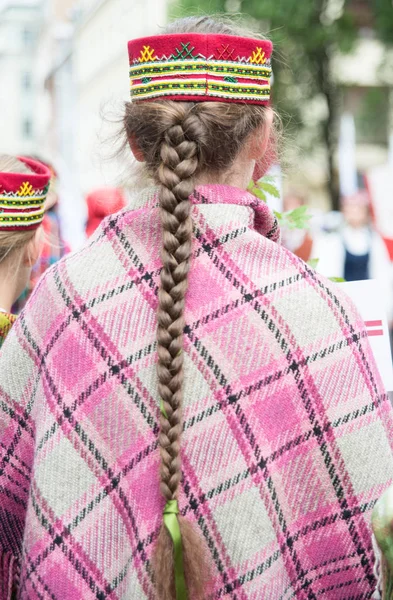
x=53, y=246
x=100, y=204
x=356, y=251
x=23, y=195
x=299, y=241
x=180, y=431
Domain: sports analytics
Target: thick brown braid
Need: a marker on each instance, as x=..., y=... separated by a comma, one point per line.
x=180, y=141
x=179, y=162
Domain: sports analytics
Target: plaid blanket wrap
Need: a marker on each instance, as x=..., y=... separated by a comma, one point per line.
x=287, y=432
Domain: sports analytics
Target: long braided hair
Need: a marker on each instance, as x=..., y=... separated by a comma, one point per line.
x=179, y=141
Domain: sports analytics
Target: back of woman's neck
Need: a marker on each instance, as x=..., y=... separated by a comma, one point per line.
x=8, y=289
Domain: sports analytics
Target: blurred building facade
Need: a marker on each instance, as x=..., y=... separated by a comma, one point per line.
x=365, y=77
x=20, y=29
x=101, y=75
x=364, y=131
x=63, y=65
x=85, y=82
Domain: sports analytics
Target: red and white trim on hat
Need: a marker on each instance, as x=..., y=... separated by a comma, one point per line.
x=22, y=197
x=199, y=67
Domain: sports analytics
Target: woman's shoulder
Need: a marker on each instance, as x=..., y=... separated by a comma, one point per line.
x=315, y=300
x=81, y=276
x=100, y=255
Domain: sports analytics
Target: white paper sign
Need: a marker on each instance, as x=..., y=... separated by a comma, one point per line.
x=367, y=297
x=380, y=182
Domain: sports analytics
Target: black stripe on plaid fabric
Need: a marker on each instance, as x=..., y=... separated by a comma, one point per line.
x=67, y=299
x=355, y=338
x=86, y=307
x=275, y=376
x=11, y=450
x=113, y=365
x=12, y=529
x=222, y=380
x=209, y=361
x=17, y=499
x=321, y=439
x=145, y=276
x=204, y=527
x=341, y=586
x=90, y=446
x=277, y=454
x=44, y=586
x=218, y=262
x=189, y=328
x=77, y=316
x=23, y=420
x=25, y=472
x=59, y=541
x=216, y=370
x=257, y=571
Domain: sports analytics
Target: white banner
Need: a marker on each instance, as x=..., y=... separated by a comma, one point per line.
x=380, y=185
x=367, y=297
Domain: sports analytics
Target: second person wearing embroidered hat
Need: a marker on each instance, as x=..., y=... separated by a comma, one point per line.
x=24, y=185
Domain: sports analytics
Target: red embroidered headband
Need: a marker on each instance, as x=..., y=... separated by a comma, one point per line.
x=200, y=67
x=22, y=197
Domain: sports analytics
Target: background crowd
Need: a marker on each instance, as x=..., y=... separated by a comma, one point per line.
x=62, y=65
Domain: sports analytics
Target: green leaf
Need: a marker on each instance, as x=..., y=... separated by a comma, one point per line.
x=256, y=191
x=313, y=262
x=262, y=187
x=269, y=188
x=268, y=179
x=297, y=218
x=260, y=194
x=337, y=279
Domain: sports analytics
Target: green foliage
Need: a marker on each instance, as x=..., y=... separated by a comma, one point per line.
x=299, y=218
x=374, y=101
x=313, y=262
x=383, y=14
x=293, y=219
x=305, y=33
x=264, y=186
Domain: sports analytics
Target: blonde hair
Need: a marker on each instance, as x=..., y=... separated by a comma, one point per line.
x=180, y=140
x=12, y=241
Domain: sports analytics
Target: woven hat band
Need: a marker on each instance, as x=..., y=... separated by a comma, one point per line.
x=22, y=196
x=200, y=68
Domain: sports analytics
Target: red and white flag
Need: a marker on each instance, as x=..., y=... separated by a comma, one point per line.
x=374, y=328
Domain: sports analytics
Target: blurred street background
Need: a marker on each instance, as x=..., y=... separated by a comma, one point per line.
x=64, y=77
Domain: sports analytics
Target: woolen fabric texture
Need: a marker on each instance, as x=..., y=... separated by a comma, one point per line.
x=288, y=434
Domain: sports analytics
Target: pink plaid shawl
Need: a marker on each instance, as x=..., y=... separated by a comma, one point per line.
x=288, y=434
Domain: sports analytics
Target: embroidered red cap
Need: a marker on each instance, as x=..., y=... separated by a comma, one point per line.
x=200, y=67
x=22, y=196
